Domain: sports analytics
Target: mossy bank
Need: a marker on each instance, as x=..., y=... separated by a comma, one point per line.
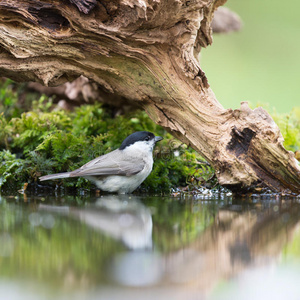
x=43, y=140
x=38, y=139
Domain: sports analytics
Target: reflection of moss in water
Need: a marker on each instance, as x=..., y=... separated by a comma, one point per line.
x=69, y=253
x=176, y=223
x=292, y=249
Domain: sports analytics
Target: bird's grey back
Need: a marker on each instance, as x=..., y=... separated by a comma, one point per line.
x=113, y=163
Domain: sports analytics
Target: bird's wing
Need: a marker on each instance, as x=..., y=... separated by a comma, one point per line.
x=113, y=163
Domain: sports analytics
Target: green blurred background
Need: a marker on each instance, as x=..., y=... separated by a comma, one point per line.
x=261, y=63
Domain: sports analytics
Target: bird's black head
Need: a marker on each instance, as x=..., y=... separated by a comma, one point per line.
x=139, y=136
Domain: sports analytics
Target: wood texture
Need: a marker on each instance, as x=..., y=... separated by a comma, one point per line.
x=147, y=52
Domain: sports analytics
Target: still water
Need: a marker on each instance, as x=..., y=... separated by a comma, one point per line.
x=149, y=247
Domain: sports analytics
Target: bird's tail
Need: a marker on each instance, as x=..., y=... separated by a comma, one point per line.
x=55, y=176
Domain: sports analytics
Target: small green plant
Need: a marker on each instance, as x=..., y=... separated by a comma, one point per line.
x=11, y=168
x=289, y=125
x=9, y=106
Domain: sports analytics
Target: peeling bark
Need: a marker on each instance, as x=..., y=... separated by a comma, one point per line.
x=147, y=52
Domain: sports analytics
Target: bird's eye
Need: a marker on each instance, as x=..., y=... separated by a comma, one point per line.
x=147, y=138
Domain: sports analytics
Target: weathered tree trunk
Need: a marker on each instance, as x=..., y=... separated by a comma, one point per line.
x=147, y=51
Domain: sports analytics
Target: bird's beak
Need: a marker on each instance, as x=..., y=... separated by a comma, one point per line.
x=157, y=139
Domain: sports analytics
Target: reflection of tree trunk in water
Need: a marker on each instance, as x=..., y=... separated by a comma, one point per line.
x=275, y=229
x=234, y=242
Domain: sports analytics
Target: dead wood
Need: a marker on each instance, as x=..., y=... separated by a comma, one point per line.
x=147, y=52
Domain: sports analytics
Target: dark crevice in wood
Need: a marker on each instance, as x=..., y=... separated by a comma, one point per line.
x=50, y=18
x=203, y=78
x=240, y=141
x=84, y=6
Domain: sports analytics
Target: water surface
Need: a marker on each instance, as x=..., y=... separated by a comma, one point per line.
x=149, y=247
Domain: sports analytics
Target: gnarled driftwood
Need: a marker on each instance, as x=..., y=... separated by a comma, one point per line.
x=147, y=52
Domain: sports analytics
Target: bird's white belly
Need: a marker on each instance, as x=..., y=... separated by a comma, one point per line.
x=121, y=184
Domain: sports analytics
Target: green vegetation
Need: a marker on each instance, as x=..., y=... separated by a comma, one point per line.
x=43, y=141
x=289, y=125
x=39, y=140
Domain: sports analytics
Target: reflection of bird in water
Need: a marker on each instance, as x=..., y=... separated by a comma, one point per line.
x=121, y=217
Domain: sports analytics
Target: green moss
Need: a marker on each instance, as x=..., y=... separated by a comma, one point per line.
x=289, y=125
x=11, y=168
x=41, y=141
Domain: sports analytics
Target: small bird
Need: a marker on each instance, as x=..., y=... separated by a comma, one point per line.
x=122, y=170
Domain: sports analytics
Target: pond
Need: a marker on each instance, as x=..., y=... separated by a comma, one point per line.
x=149, y=247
